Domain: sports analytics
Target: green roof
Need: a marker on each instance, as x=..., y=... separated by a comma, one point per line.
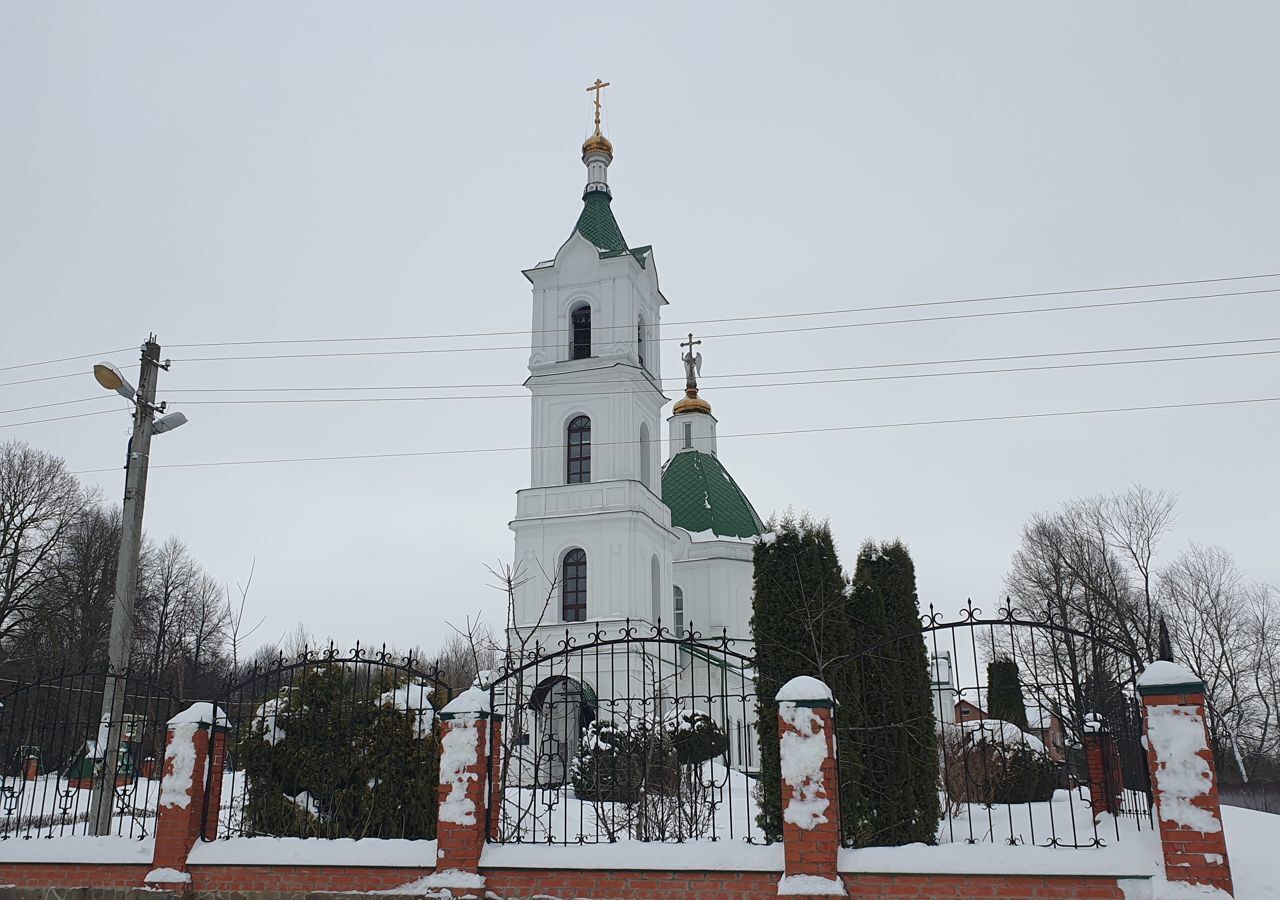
x=597, y=224
x=703, y=496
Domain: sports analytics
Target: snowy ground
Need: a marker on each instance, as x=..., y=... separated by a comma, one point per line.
x=51, y=807
x=1253, y=846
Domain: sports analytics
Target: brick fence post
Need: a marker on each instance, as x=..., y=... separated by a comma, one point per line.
x=810, y=789
x=1184, y=785
x=1103, y=758
x=181, y=808
x=464, y=778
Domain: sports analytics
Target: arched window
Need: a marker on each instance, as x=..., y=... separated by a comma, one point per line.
x=580, y=338
x=578, y=444
x=573, y=586
x=677, y=609
x=655, y=582
x=640, y=339
x=645, y=453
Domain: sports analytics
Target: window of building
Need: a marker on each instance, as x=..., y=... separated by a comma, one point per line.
x=578, y=444
x=580, y=339
x=688, y=435
x=640, y=340
x=573, y=586
x=677, y=606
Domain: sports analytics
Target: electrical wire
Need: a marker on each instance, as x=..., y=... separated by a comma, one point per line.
x=721, y=387
x=789, y=315
x=49, y=362
x=730, y=387
x=101, y=412
x=735, y=334
x=750, y=434
x=677, y=380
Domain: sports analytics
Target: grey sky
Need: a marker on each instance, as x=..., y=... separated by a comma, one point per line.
x=242, y=171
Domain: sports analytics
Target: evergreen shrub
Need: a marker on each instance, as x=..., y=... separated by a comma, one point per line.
x=330, y=757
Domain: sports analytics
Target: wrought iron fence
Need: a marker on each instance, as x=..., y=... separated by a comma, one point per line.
x=53, y=770
x=624, y=732
x=330, y=744
x=1009, y=749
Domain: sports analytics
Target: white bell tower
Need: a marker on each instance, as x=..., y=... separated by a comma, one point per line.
x=592, y=518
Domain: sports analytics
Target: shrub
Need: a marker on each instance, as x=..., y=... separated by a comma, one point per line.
x=696, y=736
x=995, y=762
x=620, y=763
x=323, y=758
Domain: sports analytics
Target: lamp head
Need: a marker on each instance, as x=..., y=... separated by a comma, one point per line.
x=111, y=378
x=168, y=422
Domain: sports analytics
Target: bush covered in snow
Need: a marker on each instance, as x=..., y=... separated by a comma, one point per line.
x=619, y=762
x=992, y=761
x=327, y=757
x=696, y=736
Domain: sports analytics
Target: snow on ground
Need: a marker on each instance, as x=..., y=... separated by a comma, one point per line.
x=50, y=807
x=1253, y=846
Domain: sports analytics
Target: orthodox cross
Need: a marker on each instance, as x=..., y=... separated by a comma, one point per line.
x=598, y=87
x=692, y=365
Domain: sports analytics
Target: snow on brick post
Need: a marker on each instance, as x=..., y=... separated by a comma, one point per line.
x=1103, y=758
x=810, y=789
x=464, y=776
x=1184, y=785
x=182, y=785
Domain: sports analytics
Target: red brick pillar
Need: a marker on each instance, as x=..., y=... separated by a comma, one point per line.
x=217, y=767
x=1105, y=781
x=464, y=777
x=810, y=789
x=1184, y=784
x=31, y=768
x=182, y=794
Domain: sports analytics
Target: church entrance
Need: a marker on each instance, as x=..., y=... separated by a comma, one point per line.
x=563, y=708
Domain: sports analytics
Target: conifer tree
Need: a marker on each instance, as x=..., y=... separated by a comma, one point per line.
x=895, y=793
x=799, y=628
x=1004, y=693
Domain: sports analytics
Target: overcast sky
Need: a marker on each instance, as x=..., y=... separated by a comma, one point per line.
x=246, y=171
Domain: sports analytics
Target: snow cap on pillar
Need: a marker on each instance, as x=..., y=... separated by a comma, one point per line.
x=805, y=690
x=1163, y=677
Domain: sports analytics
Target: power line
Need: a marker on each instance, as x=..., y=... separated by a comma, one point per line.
x=790, y=315
x=810, y=313
x=45, y=378
x=49, y=362
x=678, y=380
x=734, y=387
x=804, y=329
x=828, y=430
x=101, y=412
x=18, y=409
x=722, y=387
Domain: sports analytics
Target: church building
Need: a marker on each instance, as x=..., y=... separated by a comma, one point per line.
x=607, y=536
x=621, y=535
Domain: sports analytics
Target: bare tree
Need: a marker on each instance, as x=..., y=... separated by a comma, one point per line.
x=1212, y=613
x=40, y=502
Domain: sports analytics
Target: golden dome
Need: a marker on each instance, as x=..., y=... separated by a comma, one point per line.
x=691, y=404
x=597, y=143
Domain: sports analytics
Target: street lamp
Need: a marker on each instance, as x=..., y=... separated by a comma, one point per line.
x=135, y=488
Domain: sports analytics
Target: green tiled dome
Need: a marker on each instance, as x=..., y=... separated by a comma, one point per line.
x=597, y=224
x=703, y=496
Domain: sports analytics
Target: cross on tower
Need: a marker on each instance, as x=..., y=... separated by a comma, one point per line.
x=692, y=366
x=598, y=87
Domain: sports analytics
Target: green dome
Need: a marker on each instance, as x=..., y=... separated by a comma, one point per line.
x=703, y=496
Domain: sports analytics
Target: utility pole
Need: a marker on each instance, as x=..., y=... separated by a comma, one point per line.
x=111, y=727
